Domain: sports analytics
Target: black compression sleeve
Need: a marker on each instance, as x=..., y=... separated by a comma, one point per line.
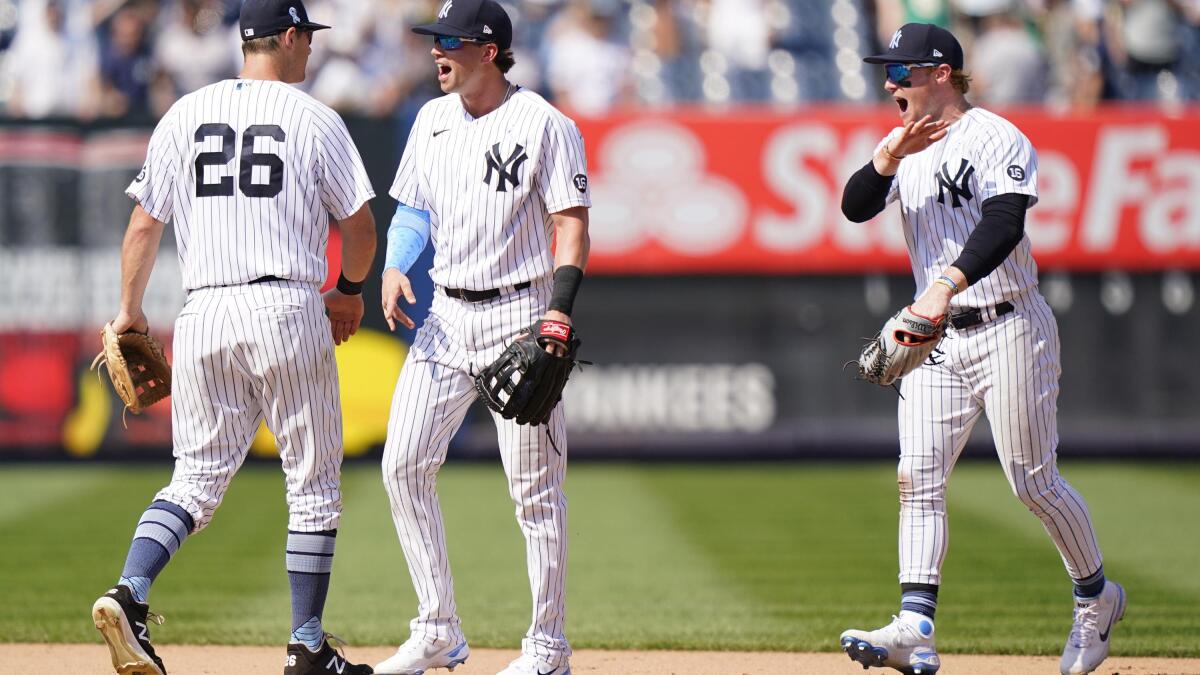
x=999, y=231
x=865, y=194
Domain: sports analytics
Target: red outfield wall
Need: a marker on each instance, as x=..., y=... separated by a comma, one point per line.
x=758, y=192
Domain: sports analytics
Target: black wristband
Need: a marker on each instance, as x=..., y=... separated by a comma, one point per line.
x=566, y=287
x=347, y=287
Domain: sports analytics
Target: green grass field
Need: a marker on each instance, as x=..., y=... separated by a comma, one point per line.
x=778, y=557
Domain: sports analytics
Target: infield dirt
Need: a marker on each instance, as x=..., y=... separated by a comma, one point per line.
x=31, y=659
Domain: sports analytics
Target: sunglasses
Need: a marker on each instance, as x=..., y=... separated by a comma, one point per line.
x=449, y=43
x=898, y=73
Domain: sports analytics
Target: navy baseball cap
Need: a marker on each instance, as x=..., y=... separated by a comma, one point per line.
x=261, y=18
x=483, y=20
x=921, y=43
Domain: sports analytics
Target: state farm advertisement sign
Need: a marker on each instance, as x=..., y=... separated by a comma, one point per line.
x=760, y=192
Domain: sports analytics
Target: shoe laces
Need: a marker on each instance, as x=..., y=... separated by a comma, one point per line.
x=337, y=643
x=1086, y=624
x=156, y=619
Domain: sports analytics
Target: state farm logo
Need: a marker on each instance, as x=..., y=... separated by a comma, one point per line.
x=655, y=187
x=659, y=187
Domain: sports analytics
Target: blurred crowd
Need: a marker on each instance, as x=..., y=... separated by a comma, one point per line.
x=92, y=59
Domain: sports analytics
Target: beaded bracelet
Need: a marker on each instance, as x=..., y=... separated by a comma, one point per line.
x=947, y=282
x=894, y=158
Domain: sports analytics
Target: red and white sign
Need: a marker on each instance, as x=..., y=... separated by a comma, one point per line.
x=754, y=192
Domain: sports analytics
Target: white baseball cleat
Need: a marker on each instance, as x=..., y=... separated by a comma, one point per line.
x=419, y=654
x=531, y=665
x=1087, y=644
x=905, y=644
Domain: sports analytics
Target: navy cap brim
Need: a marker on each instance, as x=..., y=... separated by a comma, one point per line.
x=900, y=58
x=443, y=29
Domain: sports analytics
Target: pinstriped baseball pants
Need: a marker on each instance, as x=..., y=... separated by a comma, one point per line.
x=242, y=354
x=1009, y=369
x=432, y=396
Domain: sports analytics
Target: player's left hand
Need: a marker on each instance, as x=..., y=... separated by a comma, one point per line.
x=131, y=321
x=555, y=348
x=933, y=302
x=345, y=314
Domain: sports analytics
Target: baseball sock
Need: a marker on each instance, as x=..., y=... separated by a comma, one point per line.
x=309, y=562
x=159, y=533
x=1091, y=586
x=919, y=598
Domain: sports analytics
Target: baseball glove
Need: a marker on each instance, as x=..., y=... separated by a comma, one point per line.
x=137, y=367
x=526, y=381
x=907, y=339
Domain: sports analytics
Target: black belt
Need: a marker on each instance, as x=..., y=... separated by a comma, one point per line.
x=269, y=277
x=479, y=296
x=974, y=316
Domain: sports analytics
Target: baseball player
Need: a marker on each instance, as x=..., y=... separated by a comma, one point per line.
x=964, y=177
x=249, y=170
x=490, y=173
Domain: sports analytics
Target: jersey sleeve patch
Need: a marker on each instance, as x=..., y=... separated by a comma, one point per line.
x=1016, y=173
x=581, y=182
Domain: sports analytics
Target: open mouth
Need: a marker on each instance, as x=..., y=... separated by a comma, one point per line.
x=903, y=103
x=443, y=71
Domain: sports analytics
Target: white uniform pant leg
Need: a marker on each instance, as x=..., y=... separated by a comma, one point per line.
x=936, y=413
x=429, y=405
x=214, y=411
x=535, y=473
x=1022, y=407
x=292, y=355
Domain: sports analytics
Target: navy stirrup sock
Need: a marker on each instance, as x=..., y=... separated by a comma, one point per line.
x=159, y=534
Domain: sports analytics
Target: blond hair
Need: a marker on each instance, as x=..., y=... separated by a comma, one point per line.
x=961, y=81
x=262, y=45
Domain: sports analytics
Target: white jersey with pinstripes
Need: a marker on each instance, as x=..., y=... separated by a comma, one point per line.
x=1006, y=367
x=490, y=185
x=941, y=191
x=248, y=171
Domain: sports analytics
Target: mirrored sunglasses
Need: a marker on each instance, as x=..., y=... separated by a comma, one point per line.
x=899, y=73
x=449, y=43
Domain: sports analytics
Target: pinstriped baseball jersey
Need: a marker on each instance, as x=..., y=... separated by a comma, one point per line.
x=490, y=185
x=249, y=170
x=941, y=191
x=1006, y=367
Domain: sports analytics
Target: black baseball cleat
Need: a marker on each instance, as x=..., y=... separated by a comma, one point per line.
x=123, y=622
x=301, y=661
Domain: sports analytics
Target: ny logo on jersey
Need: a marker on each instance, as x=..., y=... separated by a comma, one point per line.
x=508, y=169
x=936, y=358
x=959, y=185
x=446, y=9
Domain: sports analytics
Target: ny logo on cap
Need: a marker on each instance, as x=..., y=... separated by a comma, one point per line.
x=446, y=9
x=294, y=14
x=895, y=40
